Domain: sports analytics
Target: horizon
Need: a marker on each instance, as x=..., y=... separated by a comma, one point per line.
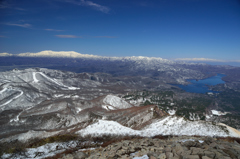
x=67, y=54
x=173, y=29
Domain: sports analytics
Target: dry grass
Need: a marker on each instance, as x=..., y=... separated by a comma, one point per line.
x=58, y=138
x=229, y=139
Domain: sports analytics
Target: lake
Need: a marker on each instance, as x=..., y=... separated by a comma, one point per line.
x=201, y=86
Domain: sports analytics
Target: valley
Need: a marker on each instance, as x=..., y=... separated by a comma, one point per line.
x=97, y=96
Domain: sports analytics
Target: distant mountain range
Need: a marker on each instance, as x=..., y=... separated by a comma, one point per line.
x=73, y=54
x=56, y=93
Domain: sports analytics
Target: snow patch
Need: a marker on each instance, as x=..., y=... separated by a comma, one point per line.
x=170, y=125
x=218, y=113
x=142, y=157
x=78, y=109
x=172, y=112
x=47, y=150
x=108, y=107
x=35, y=78
x=107, y=127
x=200, y=141
x=115, y=102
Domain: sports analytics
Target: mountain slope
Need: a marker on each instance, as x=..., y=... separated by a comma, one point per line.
x=170, y=125
x=42, y=102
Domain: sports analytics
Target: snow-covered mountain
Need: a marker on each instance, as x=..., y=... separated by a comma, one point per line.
x=73, y=54
x=37, y=103
x=154, y=67
x=170, y=125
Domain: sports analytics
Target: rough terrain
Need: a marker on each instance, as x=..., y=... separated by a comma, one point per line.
x=171, y=148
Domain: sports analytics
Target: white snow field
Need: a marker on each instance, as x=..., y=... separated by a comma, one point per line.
x=112, y=102
x=170, y=125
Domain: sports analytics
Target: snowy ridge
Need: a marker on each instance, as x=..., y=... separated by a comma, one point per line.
x=5, y=54
x=73, y=54
x=170, y=125
x=49, y=53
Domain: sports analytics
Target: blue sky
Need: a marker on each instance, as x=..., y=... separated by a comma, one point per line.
x=155, y=28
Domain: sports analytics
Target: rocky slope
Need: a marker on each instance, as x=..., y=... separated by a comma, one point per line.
x=174, y=148
x=159, y=147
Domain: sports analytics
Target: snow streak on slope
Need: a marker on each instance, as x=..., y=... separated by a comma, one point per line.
x=55, y=81
x=9, y=101
x=34, y=77
x=3, y=90
x=170, y=125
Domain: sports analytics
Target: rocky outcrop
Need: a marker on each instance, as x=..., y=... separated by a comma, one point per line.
x=172, y=148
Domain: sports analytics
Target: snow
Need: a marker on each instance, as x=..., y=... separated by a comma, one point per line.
x=9, y=101
x=171, y=112
x=108, y=107
x=115, y=102
x=5, y=54
x=48, y=150
x=142, y=157
x=16, y=119
x=3, y=90
x=208, y=117
x=170, y=125
x=201, y=141
x=58, y=83
x=49, y=53
x=73, y=54
x=35, y=78
x=218, y=113
x=106, y=127
x=78, y=109
x=58, y=95
x=44, y=151
x=233, y=132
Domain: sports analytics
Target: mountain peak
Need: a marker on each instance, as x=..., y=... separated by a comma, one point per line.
x=5, y=54
x=50, y=53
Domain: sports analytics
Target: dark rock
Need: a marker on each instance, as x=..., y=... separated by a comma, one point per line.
x=190, y=157
x=197, y=151
x=189, y=143
x=209, y=154
x=167, y=149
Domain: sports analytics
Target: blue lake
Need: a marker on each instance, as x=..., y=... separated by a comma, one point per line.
x=201, y=86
